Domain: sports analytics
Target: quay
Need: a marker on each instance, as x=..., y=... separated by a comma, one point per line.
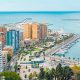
x=62, y=45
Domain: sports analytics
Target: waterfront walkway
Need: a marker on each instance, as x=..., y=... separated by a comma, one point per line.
x=62, y=45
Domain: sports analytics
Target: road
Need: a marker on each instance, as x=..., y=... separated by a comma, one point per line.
x=12, y=63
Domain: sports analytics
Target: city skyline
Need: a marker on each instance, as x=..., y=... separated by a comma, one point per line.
x=39, y=39
x=39, y=5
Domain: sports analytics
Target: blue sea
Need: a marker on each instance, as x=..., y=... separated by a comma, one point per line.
x=69, y=21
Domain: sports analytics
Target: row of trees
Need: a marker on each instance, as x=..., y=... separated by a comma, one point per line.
x=60, y=73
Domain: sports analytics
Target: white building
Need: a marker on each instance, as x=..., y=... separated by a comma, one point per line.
x=4, y=57
x=1, y=60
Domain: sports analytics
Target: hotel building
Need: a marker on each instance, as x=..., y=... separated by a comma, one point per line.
x=35, y=31
x=21, y=35
x=13, y=39
x=43, y=31
x=27, y=31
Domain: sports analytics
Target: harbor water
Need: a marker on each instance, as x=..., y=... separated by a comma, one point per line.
x=69, y=21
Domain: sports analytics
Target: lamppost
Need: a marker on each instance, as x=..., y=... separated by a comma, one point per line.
x=63, y=39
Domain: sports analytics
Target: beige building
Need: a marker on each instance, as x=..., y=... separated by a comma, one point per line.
x=4, y=57
x=9, y=49
x=27, y=31
x=43, y=31
x=21, y=43
x=3, y=32
x=35, y=31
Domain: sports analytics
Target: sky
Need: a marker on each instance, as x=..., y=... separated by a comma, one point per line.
x=39, y=5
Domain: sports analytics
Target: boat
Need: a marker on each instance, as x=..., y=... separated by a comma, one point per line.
x=69, y=46
x=61, y=52
x=66, y=51
x=66, y=48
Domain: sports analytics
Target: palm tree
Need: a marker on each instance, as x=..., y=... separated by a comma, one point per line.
x=78, y=60
x=53, y=73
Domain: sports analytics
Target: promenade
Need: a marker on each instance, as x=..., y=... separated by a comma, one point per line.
x=62, y=45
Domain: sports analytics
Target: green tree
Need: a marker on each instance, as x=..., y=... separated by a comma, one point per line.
x=34, y=74
x=53, y=73
x=67, y=73
x=26, y=67
x=59, y=72
x=41, y=74
x=47, y=69
x=10, y=75
x=48, y=76
x=25, y=75
x=9, y=57
x=30, y=76
x=16, y=67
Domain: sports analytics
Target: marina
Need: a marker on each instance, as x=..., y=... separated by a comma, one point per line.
x=67, y=44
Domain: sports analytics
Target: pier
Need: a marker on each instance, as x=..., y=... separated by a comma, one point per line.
x=62, y=45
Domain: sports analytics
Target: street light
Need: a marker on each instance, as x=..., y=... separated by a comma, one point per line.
x=63, y=39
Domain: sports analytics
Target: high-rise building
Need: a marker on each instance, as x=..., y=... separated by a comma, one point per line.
x=1, y=59
x=35, y=31
x=13, y=39
x=3, y=32
x=21, y=36
x=43, y=31
x=27, y=31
